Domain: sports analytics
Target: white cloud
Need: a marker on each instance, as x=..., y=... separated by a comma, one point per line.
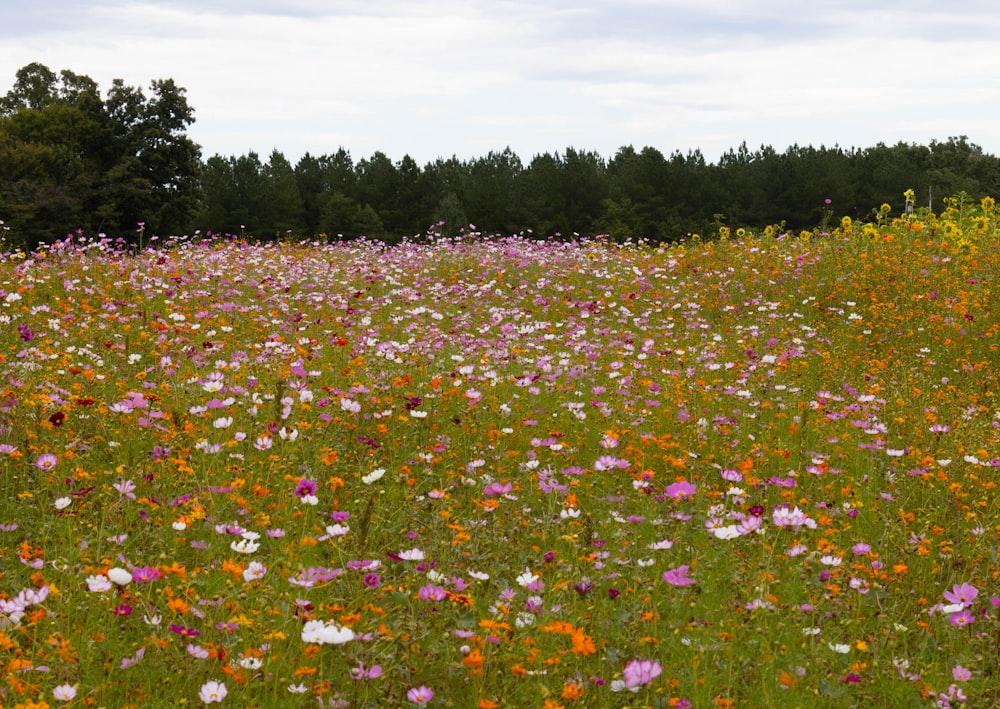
x=447, y=77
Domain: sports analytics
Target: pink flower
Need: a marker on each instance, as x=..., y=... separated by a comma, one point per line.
x=963, y=594
x=678, y=491
x=497, y=489
x=640, y=672
x=420, y=695
x=145, y=574
x=46, y=461
x=678, y=576
x=960, y=673
x=431, y=592
x=961, y=619
x=362, y=672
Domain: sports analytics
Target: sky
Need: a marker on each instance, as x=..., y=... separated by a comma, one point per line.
x=440, y=78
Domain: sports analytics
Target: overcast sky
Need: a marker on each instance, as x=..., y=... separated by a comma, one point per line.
x=436, y=78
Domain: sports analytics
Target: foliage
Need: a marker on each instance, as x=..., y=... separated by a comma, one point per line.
x=70, y=160
x=757, y=470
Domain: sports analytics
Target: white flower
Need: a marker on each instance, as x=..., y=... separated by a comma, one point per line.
x=63, y=502
x=418, y=414
x=99, y=583
x=810, y=631
x=250, y=663
x=120, y=576
x=570, y=513
x=212, y=691
x=412, y=555
x=320, y=633
x=527, y=578
x=665, y=544
x=337, y=530
x=179, y=526
x=254, y=570
x=728, y=532
x=309, y=500
x=830, y=560
x=841, y=648
x=64, y=692
x=479, y=575
x=298, y=688
x=245, y=546
x=373, y=476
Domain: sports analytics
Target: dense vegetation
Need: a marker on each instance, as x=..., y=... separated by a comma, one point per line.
x=504, y=472
x=71, y=160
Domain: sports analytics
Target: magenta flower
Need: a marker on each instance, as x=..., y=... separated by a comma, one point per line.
x=145, y=574
x=305, y=487
x=963, y=594
x=640, y=672
x=961, y=619
x=680, y=490
x=678, y=576
x=184, y=631
x=960, y=673
x=420, y=695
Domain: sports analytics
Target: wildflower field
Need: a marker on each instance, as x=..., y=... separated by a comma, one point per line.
x=758, y=470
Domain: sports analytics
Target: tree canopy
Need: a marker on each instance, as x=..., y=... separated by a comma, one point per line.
x=72, y=159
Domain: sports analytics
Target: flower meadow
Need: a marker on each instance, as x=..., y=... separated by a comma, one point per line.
x=754, y=470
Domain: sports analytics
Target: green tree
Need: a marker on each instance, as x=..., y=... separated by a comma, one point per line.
x=75, y=161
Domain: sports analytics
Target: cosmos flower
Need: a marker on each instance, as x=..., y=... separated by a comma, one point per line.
x=420, y=695
x=678, y=576
x=212, y=692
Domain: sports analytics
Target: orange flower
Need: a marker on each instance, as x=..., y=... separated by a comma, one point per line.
x=583, y=644
x=474, y=661
x=178, y=605
x=572, y=691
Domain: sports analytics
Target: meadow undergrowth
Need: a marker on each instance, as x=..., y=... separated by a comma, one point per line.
x=743, y=472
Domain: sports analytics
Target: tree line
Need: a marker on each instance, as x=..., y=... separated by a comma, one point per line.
x=71, y=159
